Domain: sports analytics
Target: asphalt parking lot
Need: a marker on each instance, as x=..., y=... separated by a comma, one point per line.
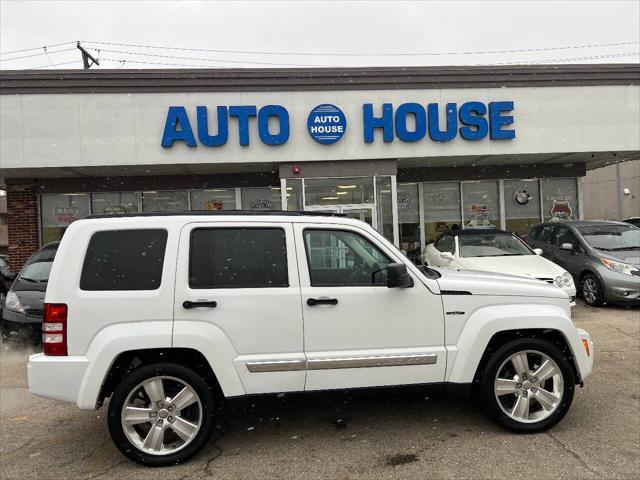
x=392, y=434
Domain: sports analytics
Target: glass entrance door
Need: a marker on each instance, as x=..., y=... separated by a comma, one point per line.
x=361, y=212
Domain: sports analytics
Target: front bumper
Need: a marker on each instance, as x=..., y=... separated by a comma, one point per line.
x=621, y=288
x=58, y=378
x=19, y=328
x=571, y=292
x=584, y=359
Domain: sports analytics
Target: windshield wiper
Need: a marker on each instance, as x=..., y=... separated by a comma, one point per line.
x=32, y=280
x=624, y=248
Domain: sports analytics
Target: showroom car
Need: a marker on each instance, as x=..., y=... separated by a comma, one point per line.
x=496, y=251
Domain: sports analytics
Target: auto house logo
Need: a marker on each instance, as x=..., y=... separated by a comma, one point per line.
x=326, y=124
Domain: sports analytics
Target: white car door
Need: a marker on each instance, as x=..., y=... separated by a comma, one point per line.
x=239, y=281
x=357, y=331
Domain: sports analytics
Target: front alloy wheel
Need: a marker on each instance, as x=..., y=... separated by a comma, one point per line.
x=591, y=291
x=161, y=414
x=527, y=384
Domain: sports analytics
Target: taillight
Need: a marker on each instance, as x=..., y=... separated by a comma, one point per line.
x=54, y=329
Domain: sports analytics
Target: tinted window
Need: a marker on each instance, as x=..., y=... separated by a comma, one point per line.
x=446, y=244
x=38, y=267
x=124, y=260
x=548, y=234
x=566, y=236
x=341, y=258
x=238, y=258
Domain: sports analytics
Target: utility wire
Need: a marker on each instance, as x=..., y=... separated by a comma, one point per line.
x=363, y=54
x=38, y=54
x=36, y=48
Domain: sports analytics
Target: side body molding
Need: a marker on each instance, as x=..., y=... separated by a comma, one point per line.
x=486, y=321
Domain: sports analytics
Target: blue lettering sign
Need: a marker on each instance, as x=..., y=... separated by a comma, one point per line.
x=326, y=124
x=370, y=122
x=243, y=113
x=282, y=115
x=435, y=133
x=203, y=127
x=420, y=118
x=177, y=118
x=497, y=120
x=471, y=115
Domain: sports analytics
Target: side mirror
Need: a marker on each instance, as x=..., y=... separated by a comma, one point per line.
x=446, y=255
x=397, y=276
x=538, y=251
x=566, y=246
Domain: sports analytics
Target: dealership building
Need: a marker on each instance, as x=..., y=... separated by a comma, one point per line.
x=412, y=151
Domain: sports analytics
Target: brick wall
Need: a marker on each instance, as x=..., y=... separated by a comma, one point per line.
x=22, y=219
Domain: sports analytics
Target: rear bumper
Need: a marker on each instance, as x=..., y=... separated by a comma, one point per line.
x=58, y=378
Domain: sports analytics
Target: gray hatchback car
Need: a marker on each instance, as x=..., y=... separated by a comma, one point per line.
x=603, y=257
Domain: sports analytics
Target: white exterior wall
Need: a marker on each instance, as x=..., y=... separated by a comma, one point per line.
x=67, y=130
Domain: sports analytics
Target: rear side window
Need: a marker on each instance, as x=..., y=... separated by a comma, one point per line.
x=238, y=258
x=124, y=260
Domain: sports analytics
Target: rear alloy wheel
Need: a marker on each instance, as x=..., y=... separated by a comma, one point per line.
x=592, y=291
x=161, y=414
x=528, y=385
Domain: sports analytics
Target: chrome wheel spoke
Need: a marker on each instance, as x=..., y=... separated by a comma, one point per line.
x=546, y=399
x=183, y=399
x=547, y=370
x=505, y=386
x=183, y=428
x=135, y=415
x=154, y=438
x=155, y=390
x=520, y=363
x=521, y=408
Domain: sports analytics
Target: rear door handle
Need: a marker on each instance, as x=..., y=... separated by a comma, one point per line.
x=322, y=301
x=205, y=303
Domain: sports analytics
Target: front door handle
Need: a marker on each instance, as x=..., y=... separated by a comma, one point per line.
x=205, y=303
x=322, y=301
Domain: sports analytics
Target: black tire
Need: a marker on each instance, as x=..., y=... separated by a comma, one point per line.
x=595, y=293
x=488, y=397
x=122, y=391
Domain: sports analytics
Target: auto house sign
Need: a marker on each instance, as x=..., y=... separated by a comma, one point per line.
x=327, y=123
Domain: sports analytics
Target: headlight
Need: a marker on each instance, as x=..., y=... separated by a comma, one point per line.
x=567, y=279
x=12, y=302
x=619, y=266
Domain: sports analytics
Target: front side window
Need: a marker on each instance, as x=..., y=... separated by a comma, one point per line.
x=341, y=258
x=548, y=234
x=499, y=245
x=238, y=258
x=446, y=243
x=124, y=260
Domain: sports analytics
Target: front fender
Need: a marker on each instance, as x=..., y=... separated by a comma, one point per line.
x=487, y=321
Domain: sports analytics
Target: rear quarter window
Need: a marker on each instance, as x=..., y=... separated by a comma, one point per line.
x=124, y=260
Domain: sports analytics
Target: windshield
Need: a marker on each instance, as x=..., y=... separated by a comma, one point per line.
x=497, y=245
x=39, y=267
x=612, y=237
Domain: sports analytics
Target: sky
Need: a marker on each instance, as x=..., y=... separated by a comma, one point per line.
x=174, y=34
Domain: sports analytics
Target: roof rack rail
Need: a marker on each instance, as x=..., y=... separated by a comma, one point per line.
x=287, y=213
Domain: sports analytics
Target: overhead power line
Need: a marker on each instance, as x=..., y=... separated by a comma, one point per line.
x=37, y=48
x=363, y=54
x=45, y=52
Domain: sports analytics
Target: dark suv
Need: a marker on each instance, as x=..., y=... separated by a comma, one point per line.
x=603, y=257
x=24, y=303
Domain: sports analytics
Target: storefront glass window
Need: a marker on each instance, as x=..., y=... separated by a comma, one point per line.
x=113, y=203
x=213, y=199
x=559, y=199
x=481, y=204
x=294, y=194
x=261, y=198
x=169, y=201
x=441, y=208
x=338, y=191
x=521, y=205
x=59, y=210
x=409, y=219
x=384, y=207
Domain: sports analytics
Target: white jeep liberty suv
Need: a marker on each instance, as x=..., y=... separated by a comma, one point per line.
x=168, y=314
